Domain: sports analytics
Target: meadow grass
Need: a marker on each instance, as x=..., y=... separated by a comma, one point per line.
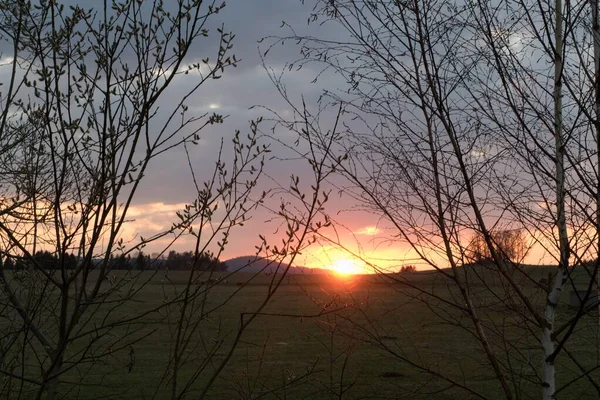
x=325, y=337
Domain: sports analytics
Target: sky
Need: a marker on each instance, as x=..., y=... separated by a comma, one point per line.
x=240, y=95
x=243, y=94
x=246, y=93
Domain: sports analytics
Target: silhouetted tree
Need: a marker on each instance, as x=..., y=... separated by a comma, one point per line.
x=141, y=261
x=510, y=245
x=408, y=269
x=9, y=264
x=187, y=260
x=461, y=117
x=46, y=260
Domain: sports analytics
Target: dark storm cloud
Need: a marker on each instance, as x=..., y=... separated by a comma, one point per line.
x=237, y=91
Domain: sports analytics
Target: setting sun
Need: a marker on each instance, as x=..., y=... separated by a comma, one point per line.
x=346, y=266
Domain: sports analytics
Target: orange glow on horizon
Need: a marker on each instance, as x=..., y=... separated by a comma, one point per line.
x=355, y=261
x=347, y=266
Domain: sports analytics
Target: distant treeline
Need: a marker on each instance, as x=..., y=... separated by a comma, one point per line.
x=174, y=261
x=44, y=259
x=184, y=261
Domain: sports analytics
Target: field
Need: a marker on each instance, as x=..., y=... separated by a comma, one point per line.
x=319, y=337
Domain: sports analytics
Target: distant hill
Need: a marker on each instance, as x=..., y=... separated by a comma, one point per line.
x=253, y=264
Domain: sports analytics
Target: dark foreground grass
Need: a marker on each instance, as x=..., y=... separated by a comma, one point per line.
x=325, y=337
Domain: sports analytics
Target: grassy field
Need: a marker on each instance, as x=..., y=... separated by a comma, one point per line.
x=323, y=337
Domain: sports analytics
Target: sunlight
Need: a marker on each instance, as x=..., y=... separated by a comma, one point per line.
x=346, y=266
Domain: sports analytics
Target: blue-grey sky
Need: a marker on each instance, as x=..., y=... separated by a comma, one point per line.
x=167, y=186
x=234, y=95
x=238, y=95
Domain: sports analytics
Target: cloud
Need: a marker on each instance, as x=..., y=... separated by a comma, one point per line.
x=367, y=231
x=157, y=208
x=149, y=219
x=6, y=60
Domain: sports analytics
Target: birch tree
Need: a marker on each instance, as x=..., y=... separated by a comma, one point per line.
x=466, y=119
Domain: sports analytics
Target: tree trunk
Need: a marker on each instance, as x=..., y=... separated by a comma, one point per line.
x=549, y=372
x=549, y=369
x=53, y=381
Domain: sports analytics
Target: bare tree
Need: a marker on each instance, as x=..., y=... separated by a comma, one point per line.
x=83, y=118
x=447, y=130
x=510, y=245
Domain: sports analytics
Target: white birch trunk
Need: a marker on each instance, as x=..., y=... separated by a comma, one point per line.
x=549, y=369
x=549, y=372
